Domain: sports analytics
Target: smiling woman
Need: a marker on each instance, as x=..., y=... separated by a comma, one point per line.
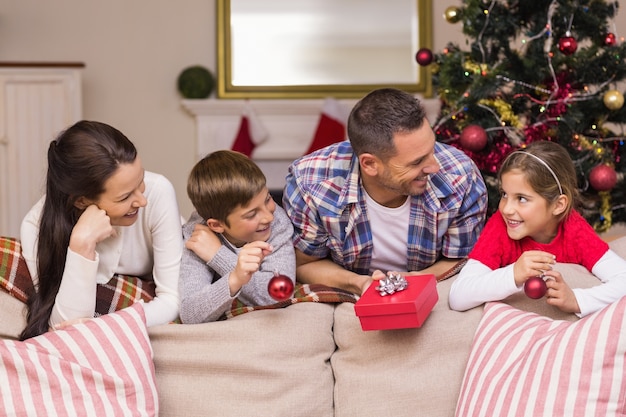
x=101, y=215
x=318, y=48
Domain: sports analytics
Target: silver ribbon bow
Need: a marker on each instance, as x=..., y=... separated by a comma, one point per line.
x=392, y=284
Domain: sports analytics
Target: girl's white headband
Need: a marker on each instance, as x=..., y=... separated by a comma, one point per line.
x=544, y=164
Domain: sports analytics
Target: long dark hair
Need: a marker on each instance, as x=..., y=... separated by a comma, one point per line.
x=80, y=160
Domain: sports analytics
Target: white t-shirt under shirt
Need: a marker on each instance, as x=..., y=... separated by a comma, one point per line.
x=390, y=227
x=153, y=245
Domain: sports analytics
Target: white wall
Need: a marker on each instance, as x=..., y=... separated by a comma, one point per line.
x=134, y=51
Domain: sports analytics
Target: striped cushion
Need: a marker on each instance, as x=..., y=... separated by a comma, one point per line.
x=102, y=367
x=523, y=364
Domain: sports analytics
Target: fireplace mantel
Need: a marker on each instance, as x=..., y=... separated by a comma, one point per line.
x=290, y=125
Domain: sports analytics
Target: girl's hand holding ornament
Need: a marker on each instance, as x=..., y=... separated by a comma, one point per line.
x=531, y=264
x=560, y=294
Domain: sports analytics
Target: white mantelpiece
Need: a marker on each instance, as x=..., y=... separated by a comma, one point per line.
x=290, y=125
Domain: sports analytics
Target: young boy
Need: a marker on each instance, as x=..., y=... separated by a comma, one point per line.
x=235, y=241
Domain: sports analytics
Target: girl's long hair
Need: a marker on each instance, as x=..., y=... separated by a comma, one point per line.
x=80, y=160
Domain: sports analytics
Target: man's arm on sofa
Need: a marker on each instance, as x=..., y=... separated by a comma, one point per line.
x=312, y=270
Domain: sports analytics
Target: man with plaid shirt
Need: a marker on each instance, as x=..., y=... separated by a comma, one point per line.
x=391, y=198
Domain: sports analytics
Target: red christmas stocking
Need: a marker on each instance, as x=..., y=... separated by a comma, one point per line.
x=331, y=127
x=251, y=132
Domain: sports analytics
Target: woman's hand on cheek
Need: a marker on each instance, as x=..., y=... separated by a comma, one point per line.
x=93, y=226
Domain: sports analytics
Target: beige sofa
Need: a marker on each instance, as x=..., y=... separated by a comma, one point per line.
x=313, y=359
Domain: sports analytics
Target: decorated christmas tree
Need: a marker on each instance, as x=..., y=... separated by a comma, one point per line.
x=536, y=70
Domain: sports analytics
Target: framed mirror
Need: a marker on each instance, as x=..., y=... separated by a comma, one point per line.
x=321, y=48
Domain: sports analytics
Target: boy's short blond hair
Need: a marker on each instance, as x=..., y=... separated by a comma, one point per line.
x=222, y=181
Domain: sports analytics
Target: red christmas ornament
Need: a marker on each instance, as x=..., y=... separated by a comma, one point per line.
x=424, y=56
x=473, y=138
x=610, y=39
x=280, y=287
x=602, y=177
x=567, y=44
x=535, y=287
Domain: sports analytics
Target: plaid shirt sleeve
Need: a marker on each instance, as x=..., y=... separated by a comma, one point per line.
x=447, y=219
x=470, y=195
x=309, y=237
x=315, y=198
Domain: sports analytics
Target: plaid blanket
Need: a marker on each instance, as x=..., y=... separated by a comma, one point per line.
x=321, y=294
x=302, y=293
x=123, y=290
x=14, y=275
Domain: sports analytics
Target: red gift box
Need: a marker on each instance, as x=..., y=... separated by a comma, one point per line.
x=401, y=310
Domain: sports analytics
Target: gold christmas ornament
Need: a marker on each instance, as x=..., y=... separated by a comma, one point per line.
x=452, y=14
x=613, y=100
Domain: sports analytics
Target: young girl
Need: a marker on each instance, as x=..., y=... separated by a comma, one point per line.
x=536, y=226
x=102, y=214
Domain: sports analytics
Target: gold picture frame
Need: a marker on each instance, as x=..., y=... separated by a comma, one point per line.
x=226, y=67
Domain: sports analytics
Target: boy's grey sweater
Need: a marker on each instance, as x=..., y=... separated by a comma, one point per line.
x=205, y=296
